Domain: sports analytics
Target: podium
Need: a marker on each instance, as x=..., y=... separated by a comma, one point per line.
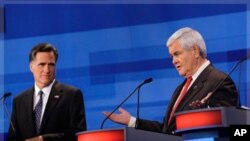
x=211, y=123
x=124, y=134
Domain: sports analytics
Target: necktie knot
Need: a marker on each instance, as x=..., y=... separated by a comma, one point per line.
x=189, y=79
x=40, y=93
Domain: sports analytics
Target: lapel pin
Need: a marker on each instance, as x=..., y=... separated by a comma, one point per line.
x=56, y=96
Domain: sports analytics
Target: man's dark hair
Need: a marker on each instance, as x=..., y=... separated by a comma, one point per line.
x=42, y=47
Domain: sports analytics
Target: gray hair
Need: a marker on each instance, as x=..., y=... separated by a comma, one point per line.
x=188, y=38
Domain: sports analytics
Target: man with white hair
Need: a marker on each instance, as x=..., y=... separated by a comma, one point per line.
x=188, y=52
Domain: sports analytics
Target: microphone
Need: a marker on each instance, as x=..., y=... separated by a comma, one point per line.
x=138, y=96
x=231, y=71
x=137, y=88
x=6, y=111
x=205, y=99
x=5, y=96
x=148, y=80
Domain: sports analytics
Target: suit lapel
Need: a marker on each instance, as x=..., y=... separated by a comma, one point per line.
x=191, y=93
x=28, y=108
x=194, y=89
x=54, y=98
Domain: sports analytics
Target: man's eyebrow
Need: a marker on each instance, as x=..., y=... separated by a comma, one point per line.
x=177, y=52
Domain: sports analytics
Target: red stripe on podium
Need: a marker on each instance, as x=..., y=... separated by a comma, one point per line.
x=198, y=120
x=102, y=135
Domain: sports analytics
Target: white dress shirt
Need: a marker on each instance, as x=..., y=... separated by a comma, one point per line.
x=46, y=91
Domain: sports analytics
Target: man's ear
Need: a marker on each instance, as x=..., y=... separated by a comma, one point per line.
x=31, y=67
x=196, y=51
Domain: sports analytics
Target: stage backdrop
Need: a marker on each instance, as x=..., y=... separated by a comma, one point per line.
x=108, y=49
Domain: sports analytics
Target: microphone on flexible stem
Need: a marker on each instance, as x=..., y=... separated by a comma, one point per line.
x=239, y=81
x=205, y=99
x=138, y=96
x=137, y=88
x=6, y=95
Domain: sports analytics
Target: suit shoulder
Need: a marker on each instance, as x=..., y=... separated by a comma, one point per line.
x=216, y=73
x=67, y=88
x=23, y=94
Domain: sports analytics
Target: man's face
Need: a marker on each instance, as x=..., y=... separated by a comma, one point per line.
x=183, y=60
x=43, y=68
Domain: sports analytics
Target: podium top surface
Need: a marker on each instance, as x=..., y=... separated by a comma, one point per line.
x=210, y=118
x=100, y=130
x=124, y=134
x=101, y=135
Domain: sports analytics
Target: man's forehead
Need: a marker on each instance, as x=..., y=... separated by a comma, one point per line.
x=174, y=47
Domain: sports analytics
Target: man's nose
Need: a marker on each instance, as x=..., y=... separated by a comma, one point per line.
x=46, y=68
x=174, y=60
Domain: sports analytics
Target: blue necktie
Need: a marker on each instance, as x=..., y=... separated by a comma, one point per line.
x=38, y=111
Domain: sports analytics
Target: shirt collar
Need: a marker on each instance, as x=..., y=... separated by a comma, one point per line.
x=46, y=90
x=201, y=68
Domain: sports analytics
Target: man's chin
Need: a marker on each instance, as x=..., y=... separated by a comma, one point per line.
x=47, y=82
x=180, y=73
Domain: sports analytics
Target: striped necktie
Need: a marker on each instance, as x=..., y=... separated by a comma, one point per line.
x=38, y=111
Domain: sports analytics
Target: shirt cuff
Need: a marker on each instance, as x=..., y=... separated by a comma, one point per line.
x=132, y=122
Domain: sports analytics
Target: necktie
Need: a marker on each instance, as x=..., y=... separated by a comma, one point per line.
x=38, y=111
x=183, y=92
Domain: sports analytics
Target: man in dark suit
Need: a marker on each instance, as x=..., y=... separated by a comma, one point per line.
x=188, y=51
x=50, y=110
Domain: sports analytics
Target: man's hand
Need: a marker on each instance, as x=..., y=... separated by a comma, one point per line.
x=200, y=103
x=38, y=138
x=123, y=117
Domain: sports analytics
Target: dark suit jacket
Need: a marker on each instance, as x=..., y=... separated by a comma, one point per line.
x=64, y=115
x=225, y=95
